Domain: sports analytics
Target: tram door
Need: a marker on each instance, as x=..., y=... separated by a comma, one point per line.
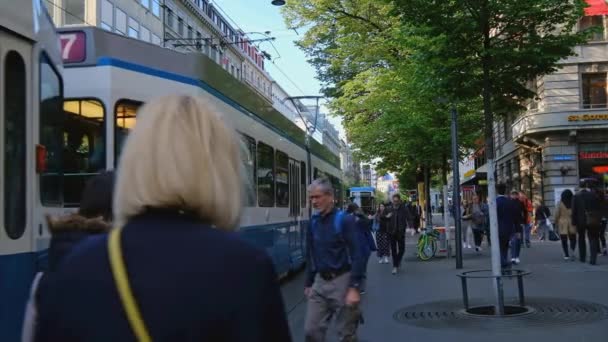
x=17, y=264
x=295, y=212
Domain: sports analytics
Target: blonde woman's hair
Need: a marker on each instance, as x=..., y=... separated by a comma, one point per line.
x=181, y=155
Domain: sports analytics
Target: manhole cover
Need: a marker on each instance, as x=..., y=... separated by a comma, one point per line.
x=543, y=312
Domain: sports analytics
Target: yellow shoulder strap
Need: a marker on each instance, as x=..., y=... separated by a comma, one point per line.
x=124, y=289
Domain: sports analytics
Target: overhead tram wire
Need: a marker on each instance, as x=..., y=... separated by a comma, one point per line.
x=68, y=12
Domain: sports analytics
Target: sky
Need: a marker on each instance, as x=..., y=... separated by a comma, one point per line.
x=290, y=60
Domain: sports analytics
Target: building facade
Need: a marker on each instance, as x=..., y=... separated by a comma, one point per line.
x=563, y=136
x=186, y=25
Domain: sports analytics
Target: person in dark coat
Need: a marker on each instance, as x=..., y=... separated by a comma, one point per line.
x=507, y=212
x=382, y=237
x=92, y=218
x=367, y=243
x=400, y=219
x=191, y=278
x=586, y=216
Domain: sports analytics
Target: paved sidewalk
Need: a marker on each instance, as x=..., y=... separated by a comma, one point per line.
x=423, y=282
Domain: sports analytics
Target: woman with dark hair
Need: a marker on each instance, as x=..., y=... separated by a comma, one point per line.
x=382, y=238
x=563, y=221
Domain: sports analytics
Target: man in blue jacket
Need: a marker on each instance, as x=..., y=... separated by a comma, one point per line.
x=507, y=211
x=335, y=267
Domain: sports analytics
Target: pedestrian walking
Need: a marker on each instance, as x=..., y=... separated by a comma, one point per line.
x=563, y=221
x=93, y=218
x=172, y=269
x=335, y=268
x=366, y=240
x=479, y=217
x=604, y=212
x=527, y=230
x=520, y=219
x=543, y=224
x=382, y=237
x=400, y=219
x=506, y=211
x=466, y=217
x=586, y=216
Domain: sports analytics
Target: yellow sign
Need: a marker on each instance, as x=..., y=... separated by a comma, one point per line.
x=469, y=173
x=588, y=117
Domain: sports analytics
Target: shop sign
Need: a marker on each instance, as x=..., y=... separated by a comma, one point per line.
x=593, y=155
x=469, y=173
x=561, y=157
x=588, y=117
x=483, y=182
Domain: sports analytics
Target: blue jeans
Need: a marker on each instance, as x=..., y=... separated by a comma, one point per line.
x=527, y=232
x=515, y=245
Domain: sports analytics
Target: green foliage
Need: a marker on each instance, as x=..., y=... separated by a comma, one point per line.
x=386, y=64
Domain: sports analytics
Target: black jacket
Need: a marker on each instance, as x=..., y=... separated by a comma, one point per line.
x=400, y=219
x=191, y=283
x=584, y=201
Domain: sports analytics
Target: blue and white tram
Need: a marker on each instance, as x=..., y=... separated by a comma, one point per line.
x=30, y=145
x=108, y=76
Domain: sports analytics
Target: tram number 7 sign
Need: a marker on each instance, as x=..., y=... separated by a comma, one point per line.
x=73, y=47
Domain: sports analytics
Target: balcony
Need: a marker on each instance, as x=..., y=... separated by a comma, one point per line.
x=560, y=121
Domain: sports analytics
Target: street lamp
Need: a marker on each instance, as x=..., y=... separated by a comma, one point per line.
x=278, y=2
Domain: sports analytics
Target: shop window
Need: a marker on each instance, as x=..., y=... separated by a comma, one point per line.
x=594, y=90
x=265, y=174
x=125, y=115
x=593, y=163
x=15, y=171
x=282, y=179
x=596, y=22
x=51, y=133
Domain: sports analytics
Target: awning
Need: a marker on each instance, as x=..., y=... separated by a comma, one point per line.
x=596, y=7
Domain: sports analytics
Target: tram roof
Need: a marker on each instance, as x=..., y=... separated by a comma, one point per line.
x=363, y=188
x=101, y=45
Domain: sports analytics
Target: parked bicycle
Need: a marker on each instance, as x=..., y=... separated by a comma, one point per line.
x=427, y=244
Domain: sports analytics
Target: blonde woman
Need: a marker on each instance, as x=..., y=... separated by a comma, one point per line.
x=172, y=270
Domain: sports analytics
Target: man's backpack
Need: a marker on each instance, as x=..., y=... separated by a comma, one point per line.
x=338, y=222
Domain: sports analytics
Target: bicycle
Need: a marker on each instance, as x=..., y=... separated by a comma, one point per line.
x=427, y=244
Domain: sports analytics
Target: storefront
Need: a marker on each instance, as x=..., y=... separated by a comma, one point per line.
x=593, y=163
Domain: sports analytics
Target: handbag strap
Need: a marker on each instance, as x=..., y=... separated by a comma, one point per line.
x=124, y=289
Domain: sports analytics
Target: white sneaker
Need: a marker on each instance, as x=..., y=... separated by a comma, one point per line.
x=566, y=258
x=469, y=246
x=381, y=261
x=386, y=260
x=394, y=270
x=517, y=261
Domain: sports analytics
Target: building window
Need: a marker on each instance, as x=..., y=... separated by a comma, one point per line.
x=74, y=12
x=156, y=8
x=250, y=170
x=15, y=170
x=282, y=179
x=51, y=132
x=84, y=150
x=125, y=115
x=597, y=22
x=133, y=28
x=144, y=34
x=265, y=174
x=303, y=183
x=146, y=3
x=155, y=39
x=180, y=26
x=121, y=22
x=107, y=15
x=190, y=32
x=50, y=8
x=594, y=90
x=170, y=19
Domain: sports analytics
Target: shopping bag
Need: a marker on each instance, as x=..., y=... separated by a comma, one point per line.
x=553, y=236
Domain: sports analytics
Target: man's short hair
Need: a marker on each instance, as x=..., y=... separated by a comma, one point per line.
x=501, y=188
x=396, y=196
x=322, y=184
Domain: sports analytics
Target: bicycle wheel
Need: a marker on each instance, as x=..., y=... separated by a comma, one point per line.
x=421, y=243
x=428, y=250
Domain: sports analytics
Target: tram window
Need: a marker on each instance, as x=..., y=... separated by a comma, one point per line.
x=249, y=164
x=125, y=115
x=51, y=133
x=303, y=183
x=282, y=179
x=84, y=147
x=265, y=174
x=14, y=145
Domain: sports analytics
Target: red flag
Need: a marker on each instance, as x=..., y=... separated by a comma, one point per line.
x=596, y=7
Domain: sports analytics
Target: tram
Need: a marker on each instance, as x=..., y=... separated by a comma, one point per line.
x=31, y=96
x=109, y=76
x=364, y=197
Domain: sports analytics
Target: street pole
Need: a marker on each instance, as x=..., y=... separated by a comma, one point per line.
x=456, y=189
